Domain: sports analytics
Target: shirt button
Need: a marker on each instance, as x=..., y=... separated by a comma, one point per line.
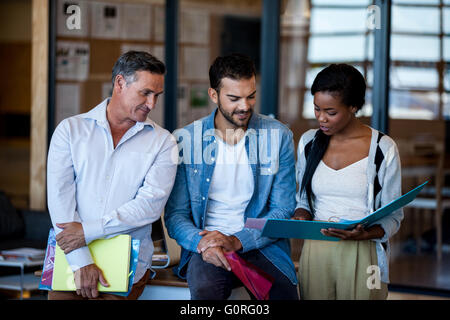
x=270, y=170
x=203, y=198
x=207, y=179
x=212, y=159
x=195, y=171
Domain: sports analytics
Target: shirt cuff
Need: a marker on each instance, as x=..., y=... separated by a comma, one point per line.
x=79, y=258
x=385, y=237
x=195, y=241
x=92, y=230
x=301, y=206
x=245, y=238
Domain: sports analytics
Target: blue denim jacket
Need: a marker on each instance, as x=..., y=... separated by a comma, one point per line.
x=270, y=150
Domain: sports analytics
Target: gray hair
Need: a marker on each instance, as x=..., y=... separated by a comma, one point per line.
x=132, y=61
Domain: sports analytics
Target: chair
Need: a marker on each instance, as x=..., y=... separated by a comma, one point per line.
x=427, y=163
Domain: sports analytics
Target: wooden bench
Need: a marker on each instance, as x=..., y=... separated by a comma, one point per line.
x=165, y=277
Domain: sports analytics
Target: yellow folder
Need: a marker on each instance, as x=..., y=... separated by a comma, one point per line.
x=112, y=256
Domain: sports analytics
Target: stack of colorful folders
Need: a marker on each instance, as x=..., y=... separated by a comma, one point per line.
x=112, y=256
x=116, y=257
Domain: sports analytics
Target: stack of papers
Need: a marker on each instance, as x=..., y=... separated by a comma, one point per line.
x=24, y=253
x=112, y=256
x=46, y=282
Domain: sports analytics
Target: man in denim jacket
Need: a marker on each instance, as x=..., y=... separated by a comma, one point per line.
x=234, y=164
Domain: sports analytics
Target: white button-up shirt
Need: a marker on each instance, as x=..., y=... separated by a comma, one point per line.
x=111, y=191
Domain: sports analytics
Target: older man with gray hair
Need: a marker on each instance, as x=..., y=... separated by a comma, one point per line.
x=111, y=171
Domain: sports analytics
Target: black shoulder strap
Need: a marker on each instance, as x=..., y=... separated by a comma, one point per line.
x=308, y=148
x=309, y=145
x=379, y=157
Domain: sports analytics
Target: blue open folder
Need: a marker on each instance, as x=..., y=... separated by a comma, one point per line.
x=302, y=229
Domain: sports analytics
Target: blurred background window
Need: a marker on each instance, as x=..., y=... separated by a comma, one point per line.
x=338, y=32
x=419, y=60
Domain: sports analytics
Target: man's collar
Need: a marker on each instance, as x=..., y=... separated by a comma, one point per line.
x=98, y=113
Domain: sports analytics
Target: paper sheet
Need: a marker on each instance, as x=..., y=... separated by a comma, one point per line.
x=183, y=115
x=157, y=114
x=194, y=27
x=72, y=60
x=159, y=23
x=111, y=255
x=106, y=90
x=136, y=21
x=67, y=101
x=105, y=20
x=195, y=63
x=158, y=51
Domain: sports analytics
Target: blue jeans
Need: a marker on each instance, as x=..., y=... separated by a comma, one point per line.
x=208, y=282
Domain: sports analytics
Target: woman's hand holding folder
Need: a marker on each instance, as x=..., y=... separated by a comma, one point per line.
x=302, y=214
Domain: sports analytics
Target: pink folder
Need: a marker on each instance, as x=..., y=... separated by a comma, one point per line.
x=256, y=280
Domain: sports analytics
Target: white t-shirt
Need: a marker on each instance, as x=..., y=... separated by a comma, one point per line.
x=231, y=188
x=340, y=194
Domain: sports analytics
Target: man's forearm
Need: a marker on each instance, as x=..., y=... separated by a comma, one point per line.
x=72, y=236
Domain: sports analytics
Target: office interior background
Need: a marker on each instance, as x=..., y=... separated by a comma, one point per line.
x=56, y=63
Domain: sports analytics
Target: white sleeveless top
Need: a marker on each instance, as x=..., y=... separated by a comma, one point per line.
x=340, y=194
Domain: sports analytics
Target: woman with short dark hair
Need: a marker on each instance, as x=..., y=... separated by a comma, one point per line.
x=346, y=170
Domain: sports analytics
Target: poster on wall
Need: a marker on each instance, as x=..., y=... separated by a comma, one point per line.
x=194, y=27
x=105, y=20
x=67, y=101
x=72, y=18
x=183, y=114
x=106, y=90
x=158, y=51
x=199, y=101
x=157, y=114
x=199, y=97
x=159, y=23
x=136, y=21
x=195, y=63
x=72, y=60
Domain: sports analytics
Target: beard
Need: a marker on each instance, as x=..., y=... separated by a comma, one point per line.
x=229, y=116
